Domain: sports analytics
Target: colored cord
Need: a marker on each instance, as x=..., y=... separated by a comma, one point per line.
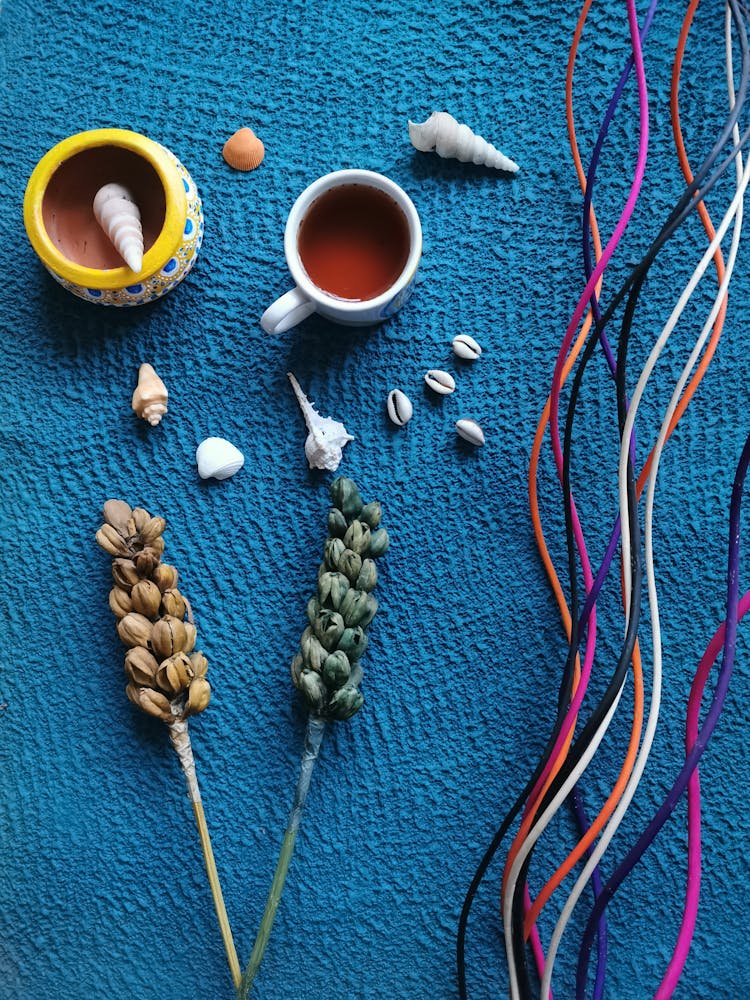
x=594, y=828
x=675, y=220
x=734, y=210
x=587, y=184
x=590, y=834
x=692, y=891
x=489, y=854
x=524, y=841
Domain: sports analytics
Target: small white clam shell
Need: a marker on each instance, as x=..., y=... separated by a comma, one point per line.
x=400, y=409
x=470, y=431
x=466, y=347
x=440, y=382
x=217, y=458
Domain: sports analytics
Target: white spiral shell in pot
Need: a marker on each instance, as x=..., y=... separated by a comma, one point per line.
x=442, y=134
x=118, y=215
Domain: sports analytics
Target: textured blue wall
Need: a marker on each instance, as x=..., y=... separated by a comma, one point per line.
x=102, y=892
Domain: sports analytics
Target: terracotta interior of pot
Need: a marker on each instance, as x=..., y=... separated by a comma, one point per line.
x=67, y=206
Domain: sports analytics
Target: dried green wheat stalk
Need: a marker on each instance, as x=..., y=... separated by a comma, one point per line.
x=327, y=670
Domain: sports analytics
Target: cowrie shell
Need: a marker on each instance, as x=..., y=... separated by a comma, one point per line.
x=470, y=431
x=400, y=409
x=440, y=382
x=466, y=347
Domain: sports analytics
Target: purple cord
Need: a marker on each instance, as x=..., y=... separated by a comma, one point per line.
x=691, y=761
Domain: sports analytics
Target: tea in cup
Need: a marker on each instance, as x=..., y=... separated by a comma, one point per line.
x=352, y=242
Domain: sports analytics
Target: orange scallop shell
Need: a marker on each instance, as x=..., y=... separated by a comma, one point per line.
x=243, y=150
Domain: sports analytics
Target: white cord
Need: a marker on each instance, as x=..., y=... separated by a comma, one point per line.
x=734, y=212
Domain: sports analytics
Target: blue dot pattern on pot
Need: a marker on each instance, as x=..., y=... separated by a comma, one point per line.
x=171, y=273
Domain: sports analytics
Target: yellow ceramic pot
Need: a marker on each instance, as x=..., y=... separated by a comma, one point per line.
x=59, y=216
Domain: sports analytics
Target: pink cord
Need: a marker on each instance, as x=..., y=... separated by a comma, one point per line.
x=536, y=941
x=692, y=891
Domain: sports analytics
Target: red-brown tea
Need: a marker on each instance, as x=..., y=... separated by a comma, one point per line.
x=354, y=242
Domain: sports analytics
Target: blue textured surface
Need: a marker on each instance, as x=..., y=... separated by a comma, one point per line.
x=102, y=892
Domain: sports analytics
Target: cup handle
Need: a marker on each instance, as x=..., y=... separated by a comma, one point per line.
x=287, y=311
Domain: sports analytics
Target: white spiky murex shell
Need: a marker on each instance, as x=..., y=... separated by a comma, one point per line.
x=326, y=438
x=442, y=134
x=118, y=215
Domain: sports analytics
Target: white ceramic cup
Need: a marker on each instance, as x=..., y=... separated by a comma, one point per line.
x=306, y=298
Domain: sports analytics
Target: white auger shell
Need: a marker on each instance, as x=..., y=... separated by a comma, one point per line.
x=442, y=134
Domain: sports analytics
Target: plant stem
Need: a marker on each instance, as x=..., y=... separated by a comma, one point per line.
x=178, y=733
x=313, y=739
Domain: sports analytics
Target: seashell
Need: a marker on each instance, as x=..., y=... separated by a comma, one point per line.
x=466, y=347
x=243, y=150
x=217, y=458
x=326, y=438
x=470, y=431
x=118, y=215
x=440, y=382
x=442, y=134
x=400, y=409
x=150, y=396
